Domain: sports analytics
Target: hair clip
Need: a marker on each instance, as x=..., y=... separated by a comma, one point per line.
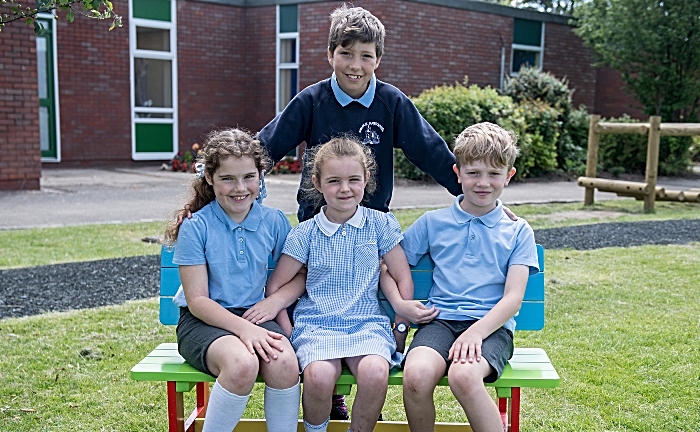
x=199, y=170
x=262, y=194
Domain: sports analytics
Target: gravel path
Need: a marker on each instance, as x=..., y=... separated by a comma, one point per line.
x=35, y=290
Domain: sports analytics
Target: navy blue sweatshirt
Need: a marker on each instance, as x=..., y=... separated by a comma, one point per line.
x=315, y=116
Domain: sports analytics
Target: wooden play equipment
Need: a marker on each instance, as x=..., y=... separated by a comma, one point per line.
x=647, y=191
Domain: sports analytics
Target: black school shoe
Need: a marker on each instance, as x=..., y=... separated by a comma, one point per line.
x=338, y=409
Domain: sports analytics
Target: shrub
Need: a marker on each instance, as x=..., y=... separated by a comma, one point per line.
x=573, y=142
x=695, y=149
x=533, y=85
x=538, y=139
x=450, y=109
x=627, y=153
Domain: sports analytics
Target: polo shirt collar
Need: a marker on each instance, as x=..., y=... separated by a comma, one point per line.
x=250, y=223
x=490, y=219
x=329, y=228
x=344, y=99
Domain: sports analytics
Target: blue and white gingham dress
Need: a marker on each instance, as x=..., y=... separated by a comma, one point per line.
x=339, y=316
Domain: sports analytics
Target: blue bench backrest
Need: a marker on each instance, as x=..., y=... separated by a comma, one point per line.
x=530, y=317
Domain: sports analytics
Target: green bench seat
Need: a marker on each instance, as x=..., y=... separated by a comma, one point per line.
x=529, y=367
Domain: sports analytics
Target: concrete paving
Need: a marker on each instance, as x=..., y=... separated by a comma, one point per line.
x=116, y=195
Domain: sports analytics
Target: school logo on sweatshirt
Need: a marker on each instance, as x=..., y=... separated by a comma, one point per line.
x=369, y=134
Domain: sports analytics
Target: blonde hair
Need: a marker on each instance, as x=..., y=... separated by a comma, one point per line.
x=352, y=24
x=219, y=145
x=486, y=142
x=336, y=148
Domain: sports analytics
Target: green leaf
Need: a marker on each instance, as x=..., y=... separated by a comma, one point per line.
x=70, y=16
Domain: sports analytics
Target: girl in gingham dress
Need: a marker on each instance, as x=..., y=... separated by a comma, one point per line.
x=338, y=319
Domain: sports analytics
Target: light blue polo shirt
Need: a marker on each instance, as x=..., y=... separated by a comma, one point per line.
x=344, y=99
x=236, y=255
x=471, y=255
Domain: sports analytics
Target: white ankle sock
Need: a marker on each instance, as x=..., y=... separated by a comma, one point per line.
x=282, y=408
x=224, y=411
x=320, y=428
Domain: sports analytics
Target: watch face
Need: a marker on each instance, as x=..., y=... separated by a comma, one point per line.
x=401, y=327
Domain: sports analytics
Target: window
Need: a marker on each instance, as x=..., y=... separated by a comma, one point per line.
x=287, y=54
x=528, y=45
x=154, y=75
x=287, y=57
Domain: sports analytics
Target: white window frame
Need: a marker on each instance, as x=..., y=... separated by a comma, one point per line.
x=156, y=55
x=54, y=42
x=530, y=48
x=282, y=66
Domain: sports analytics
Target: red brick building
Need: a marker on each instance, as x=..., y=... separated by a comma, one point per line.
x=82, y=95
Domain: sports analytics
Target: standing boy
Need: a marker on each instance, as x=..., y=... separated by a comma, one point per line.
x=353, y=101
x=482, y=262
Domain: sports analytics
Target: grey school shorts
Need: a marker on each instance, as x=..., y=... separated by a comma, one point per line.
x=439, y=335
x=194, y=336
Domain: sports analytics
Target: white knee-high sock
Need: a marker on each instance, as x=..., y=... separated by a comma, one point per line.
x=282, y=408
x=224, y=411
x=320, y=428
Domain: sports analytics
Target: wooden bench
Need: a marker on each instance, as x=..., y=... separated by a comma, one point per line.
x=529, y=367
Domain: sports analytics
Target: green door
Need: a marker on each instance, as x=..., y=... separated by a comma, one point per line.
x=47, y=95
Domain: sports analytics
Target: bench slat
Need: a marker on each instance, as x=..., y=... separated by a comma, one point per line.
x=529, y=367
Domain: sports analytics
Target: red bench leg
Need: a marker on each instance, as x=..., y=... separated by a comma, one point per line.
x=503, y=409
x=176, y=409
x=515, y=410
x=510, y=410
x=201, y=409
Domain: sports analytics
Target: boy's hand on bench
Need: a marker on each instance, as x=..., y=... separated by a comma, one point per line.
x=258, y=340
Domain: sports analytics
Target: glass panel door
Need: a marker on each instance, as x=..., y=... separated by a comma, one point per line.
x=47, y=97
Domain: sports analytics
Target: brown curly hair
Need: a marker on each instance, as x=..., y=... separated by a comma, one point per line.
x=219, y=145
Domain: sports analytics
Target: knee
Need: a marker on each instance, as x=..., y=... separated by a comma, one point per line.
x=239, y=371
x=319, y=378
x=416, y=381
x=374, y=373
x=465, y=379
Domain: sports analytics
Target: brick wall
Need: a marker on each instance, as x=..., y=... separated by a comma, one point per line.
x=612, y=100
x=20, y=153
x=212, y=61
x=565, y=56
x=426, y=45
x=94, y=88
x=260, y=49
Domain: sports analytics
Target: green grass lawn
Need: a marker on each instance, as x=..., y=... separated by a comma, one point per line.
x=621, y=329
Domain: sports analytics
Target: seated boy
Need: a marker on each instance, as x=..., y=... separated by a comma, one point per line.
x=482, y=262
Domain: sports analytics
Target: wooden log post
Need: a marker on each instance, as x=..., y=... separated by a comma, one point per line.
x=605, y=185
x=652, y=161
x=691, y=196
x=592, y=157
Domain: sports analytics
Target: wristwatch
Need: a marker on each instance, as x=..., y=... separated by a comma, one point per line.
x=400, y=327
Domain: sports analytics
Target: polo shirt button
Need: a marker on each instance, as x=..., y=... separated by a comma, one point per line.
x=473, y=236
x=240, y=229
x=240, y=240
x=240, y=252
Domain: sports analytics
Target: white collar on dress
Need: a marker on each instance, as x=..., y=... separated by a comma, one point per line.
x=329, y=228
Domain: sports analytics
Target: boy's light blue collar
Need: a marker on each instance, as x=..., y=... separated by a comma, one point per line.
x=344, y=99
x=329, y=228
x=490, y=219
